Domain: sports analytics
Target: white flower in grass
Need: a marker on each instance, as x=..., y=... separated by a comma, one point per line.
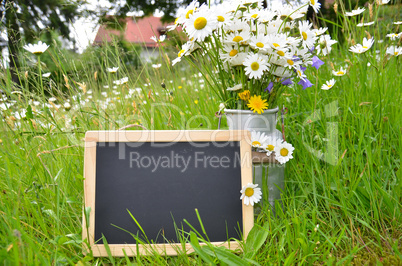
x=236, y=38
x=37, y=49
x=223, y=17
x=121, y=81
x=339, y=72
x=156, y=66
x=46, y=75
x=394, y=36
x=394, y=50
x=320, y=31
x=269, y=145
x=315, y=5
x=255, y=65
x=398, y=22
x=383, y=2
x=355, y=12
x=187, y=12
x=201, y=24
x=161, y=38
x=112, y=69
x=283, y=152
x=260, y=42
x=328, y=85
x=324, y=44
x=307, y=35
x=251, y=194
x=365, y=24
x=235, y=87
x=258, y=139
x=358, y=48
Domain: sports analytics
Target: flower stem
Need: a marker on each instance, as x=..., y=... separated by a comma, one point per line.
x=40, y=77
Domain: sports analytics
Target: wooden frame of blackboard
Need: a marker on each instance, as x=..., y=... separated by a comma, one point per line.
x=93, y=137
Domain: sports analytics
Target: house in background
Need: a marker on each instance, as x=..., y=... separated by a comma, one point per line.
x=137, y=30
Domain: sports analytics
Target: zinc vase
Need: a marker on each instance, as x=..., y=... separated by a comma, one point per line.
x=270, y=177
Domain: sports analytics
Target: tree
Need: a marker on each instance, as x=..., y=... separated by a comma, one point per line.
x=26, y=19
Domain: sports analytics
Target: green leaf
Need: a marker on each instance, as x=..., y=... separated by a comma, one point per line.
x=289, y=260
x=226, y=256
x=255, y=239
x=109, y=253
x=197, y=248
x=29, y=114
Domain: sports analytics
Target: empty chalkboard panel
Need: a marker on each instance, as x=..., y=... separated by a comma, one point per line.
x=161, y=183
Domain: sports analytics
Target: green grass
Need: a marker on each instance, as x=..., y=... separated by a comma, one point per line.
x=354, y=196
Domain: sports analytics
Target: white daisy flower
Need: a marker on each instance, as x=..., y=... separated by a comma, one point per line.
x=37, y=49
x=112, y=69
x=355, y=12
x=358, y=48
x=255, y=65
x=324, y=44
x=365, y=24
x=235, y=87
x=329, y=84
x=394, y=36
x=161, y=38
x=269, y=145
x=251, y=194
x=339, y=72
x=383, y=2
x=187, y=12
x=394, y=50
x=278, y=41
x=46, y=75
x=258, y=139
x=398, y=22
x=315, y=5
x=260, y=42
x=283, y=152
x=121, y=81
x=288, y=11
x=156, y=66
x=236, y=38
x=201, y=24
x=223, y=17
x=308, y=36
x=320, y=31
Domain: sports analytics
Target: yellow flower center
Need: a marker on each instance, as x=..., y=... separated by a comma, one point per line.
x=233, y=52
x=329, y=85
x=180, y=53
x=190, y=12
x=304, y=35
x=237, y=39
x=290, y=62
x=395, y=53
x=37, y=52
x=275, y=44
x=221, y=19
x=284, y=152
x=254, y=16
x=256, y=143
x=299, y=73
x=175, y=21
x=200, y=23
x=312, y=2
x=260, y=44
x=281, y=53
x=270, y=147
x=249, y=192
x=365, y=47
x=340, y=73
x=255, y=66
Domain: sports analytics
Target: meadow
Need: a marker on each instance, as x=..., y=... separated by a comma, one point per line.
x=342, y=198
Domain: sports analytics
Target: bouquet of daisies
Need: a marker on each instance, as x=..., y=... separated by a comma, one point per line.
x=248, y=53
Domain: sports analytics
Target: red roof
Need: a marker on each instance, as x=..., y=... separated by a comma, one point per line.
x=136, y=30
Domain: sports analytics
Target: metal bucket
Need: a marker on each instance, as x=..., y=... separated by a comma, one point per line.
x=270, y=177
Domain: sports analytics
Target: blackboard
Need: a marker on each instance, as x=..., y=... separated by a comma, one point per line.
x=161, y=177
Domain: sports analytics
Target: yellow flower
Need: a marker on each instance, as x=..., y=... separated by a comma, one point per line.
x=257, y=104
x=180, y=87
x=245, y=95
x=196, y=101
